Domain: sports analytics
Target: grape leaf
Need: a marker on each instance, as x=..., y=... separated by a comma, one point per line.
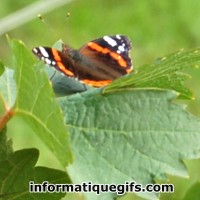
x=132, y=135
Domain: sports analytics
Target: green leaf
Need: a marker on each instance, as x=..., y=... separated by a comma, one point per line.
x=18, y=170
x=166, y=73
x=35, y=103
x=132, y=135
x=193, y=193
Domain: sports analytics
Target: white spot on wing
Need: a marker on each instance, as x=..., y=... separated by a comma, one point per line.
x=47, y=61
x=110, y=41
x=121, y=48
x=35, y=50
x=43, y=52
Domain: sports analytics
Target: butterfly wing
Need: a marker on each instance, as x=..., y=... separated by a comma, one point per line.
x=119, y=44
x=57, y=59
x=107, y=58
x=97, y=63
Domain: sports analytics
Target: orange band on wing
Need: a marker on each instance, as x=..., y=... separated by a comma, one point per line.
x=59, y=63
x=98, y=48
x=119, y=59
x=96, y=83
x=114, y=55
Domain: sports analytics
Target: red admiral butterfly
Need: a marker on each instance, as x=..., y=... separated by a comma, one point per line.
x=97, y=63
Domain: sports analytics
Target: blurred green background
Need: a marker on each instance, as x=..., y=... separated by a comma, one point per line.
x=155, y=28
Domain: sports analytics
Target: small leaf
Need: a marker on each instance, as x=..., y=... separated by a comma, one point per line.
x=166, y=72
x=134, y=135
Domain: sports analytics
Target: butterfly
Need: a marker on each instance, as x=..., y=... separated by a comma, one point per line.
x=96, y=63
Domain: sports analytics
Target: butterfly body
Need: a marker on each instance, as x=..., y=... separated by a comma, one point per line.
x=97, y=63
